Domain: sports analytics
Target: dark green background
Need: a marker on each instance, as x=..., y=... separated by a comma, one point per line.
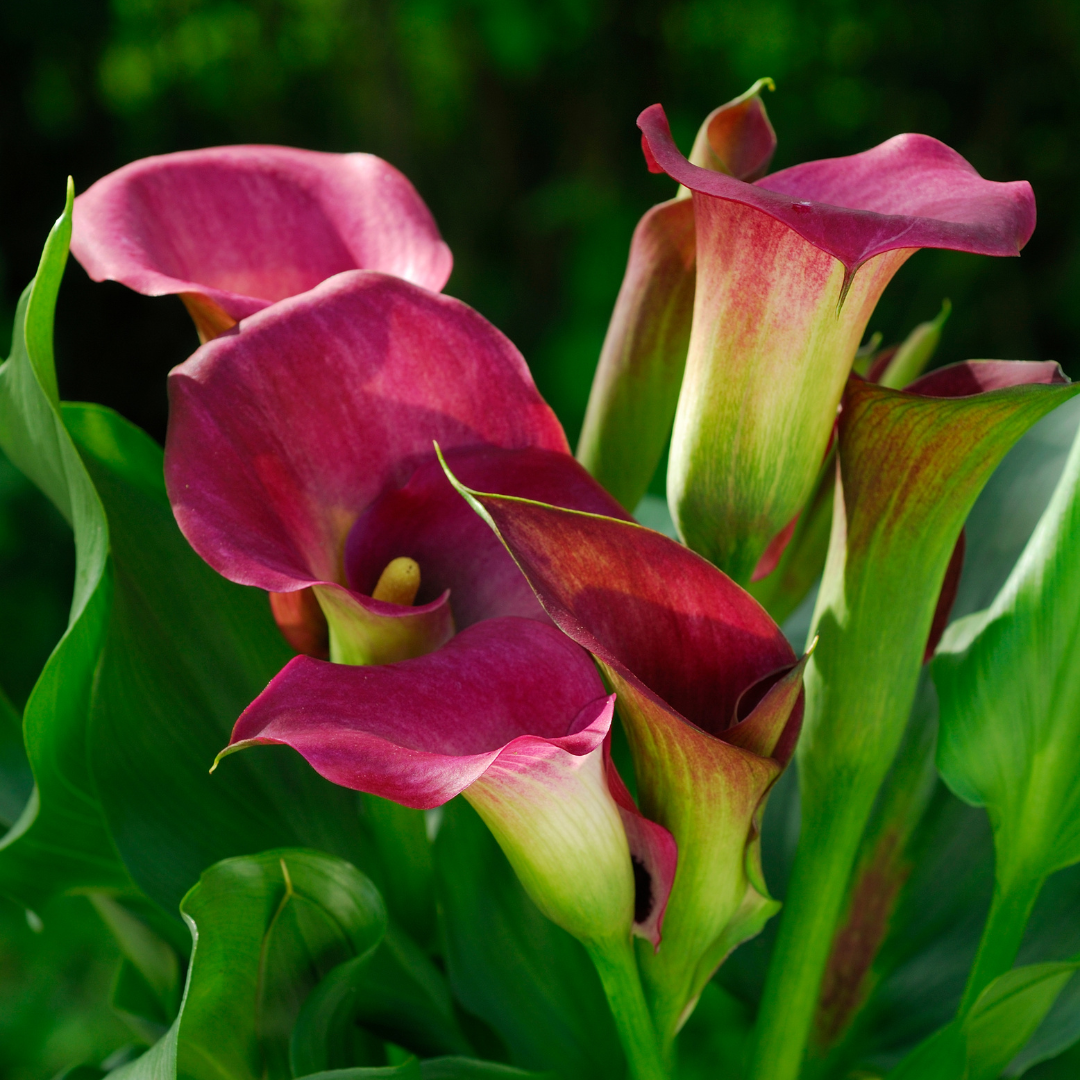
x=515, y=119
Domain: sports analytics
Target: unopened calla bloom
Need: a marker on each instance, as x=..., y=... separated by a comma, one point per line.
x=637, y=381
x=300, y=456
x=789, y=270
x=910, y=464
x=710, y=695
x=233, y=229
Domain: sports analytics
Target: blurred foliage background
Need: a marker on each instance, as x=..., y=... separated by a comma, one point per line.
x=515, y=120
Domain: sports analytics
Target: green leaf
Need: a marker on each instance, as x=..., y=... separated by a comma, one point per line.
x=1064, y=1067
x=136, y=1003
x=395, y=993
x=152, y=957
x=186, y=651
x=1005, y=514
x=265, y=928
x=60, y=841
x=409, y=1071
x=16, y=779
x=1009, y=684
x=942, y=1057
x=459, y=1068
x=1008, y=1012
x=447, y=1068
x=981, y=1044
x=530, y=980
x=81, y=1072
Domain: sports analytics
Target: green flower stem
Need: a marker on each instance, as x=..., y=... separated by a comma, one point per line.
x=619, y=975
x=1002, y=934
x=910, y=468
x=828, y=845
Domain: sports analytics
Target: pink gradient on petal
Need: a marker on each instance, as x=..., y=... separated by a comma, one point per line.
x=645, y=604
x=246, y=226
x=910, y=192
x=283, y=431
x=979, y=376
x=421, y=731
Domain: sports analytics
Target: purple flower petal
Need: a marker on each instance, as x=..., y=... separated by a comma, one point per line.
x=910, y=192
x=421, y=731
x=236, y=228
x=282, y=432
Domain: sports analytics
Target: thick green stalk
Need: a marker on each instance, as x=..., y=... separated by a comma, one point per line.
x=1001, y=937
x=910, y=468
x=828, y=845
x=619, y=975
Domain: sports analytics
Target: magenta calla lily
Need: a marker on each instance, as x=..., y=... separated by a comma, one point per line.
x=710, y=695
x=300, y=459
x=636, y=387
x=789, y=270
x=233, y=229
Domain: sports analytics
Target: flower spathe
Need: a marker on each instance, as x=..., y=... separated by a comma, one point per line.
x=709, y=692
x=789, y=270
x=233, y=229
x=509, y=712
x=300, y=457
x=636, y=387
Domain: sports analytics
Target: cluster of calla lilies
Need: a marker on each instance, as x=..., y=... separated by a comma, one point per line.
x=473, y=607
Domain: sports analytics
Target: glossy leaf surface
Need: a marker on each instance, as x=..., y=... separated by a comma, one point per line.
x=60, y=840
x=264, y=928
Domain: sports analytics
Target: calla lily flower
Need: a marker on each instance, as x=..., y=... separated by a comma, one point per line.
x=636, y=387
x=710, y=695
x=234, y=229
x=789, y=269
x=910, y=464
x=300, y=457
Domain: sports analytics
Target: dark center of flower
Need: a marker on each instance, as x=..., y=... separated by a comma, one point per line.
x=643, y=898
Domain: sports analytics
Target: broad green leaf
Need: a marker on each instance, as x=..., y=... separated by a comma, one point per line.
x=459, y=1068
x=980, y=1045
x=527, y=978
x=186, y=651
x=942, y=1057
x=60, y=841
x=81, y=1072
x=148, y=953
x=1008, y=509
x=136, y=1003
x=447, y=1068
x=1009, y=683
x=1053, y=933
x=264, y=928
x=16, y=779
x=1059, y=1030
x=395, y=993
x=409, y=1071
x=1064, y=1067
x=1007, y=1014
